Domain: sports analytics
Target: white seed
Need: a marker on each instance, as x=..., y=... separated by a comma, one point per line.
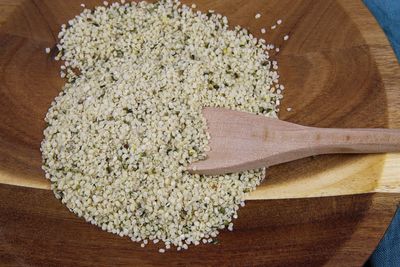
x=257, y=16
x=47, y=50
x=279, y=22
x=131, y=119
x=263, y=30
x=286, y=37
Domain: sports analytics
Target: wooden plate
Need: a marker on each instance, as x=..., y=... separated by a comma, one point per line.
x=339, y=71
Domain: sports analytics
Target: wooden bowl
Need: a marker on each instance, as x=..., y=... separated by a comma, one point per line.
x=339, y=71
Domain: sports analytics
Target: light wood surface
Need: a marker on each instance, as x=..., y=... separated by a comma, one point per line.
x=244, y=141
x=339, y=71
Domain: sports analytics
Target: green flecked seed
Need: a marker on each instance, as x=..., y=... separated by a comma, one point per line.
x=128, y=122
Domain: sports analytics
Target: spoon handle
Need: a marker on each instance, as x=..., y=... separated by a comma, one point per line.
x=331, y=140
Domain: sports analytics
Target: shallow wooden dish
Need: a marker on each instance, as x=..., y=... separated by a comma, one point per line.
x=339, y=71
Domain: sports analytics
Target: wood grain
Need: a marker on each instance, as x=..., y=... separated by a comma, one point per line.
x=330, y=231
x=339, y=71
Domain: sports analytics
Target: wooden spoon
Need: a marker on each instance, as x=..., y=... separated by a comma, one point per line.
x=243, y=141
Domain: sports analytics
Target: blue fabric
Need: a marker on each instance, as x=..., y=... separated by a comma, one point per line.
x=387, y=254
x=387, y=13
